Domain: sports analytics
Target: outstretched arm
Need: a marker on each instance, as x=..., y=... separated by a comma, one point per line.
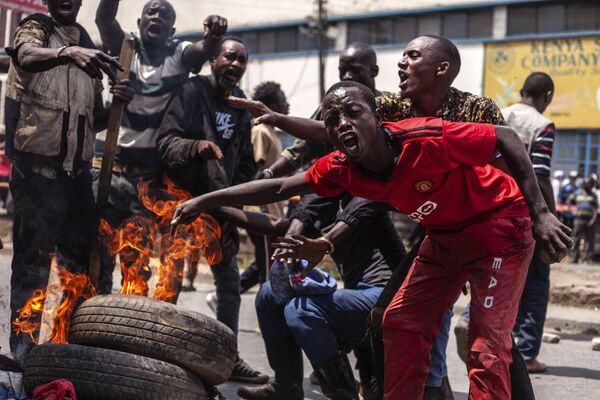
x=553, y=237
x=250, y=193
x=303, y=128
x=110, y=31
x=264, y=223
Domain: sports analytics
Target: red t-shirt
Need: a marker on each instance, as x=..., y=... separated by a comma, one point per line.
x=441, y=180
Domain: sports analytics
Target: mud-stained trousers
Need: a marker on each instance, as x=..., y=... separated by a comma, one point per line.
x=493, y=256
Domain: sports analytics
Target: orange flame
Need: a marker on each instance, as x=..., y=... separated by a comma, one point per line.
x=49, y=310
x=134, y=242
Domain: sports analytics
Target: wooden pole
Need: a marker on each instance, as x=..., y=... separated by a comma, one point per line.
x=108, y=157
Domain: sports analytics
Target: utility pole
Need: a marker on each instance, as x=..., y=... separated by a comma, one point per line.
x=322, y=41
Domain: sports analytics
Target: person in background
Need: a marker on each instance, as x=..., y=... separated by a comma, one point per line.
x=586, y=204
x=267, y=148
x=557, y=178
x=564, y=195
x=537, y=133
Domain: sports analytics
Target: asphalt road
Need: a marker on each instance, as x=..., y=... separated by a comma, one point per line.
x=574, y=369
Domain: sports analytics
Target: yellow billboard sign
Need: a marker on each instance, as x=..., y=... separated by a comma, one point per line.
x=573, y=64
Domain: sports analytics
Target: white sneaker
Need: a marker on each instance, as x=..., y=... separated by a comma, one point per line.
x=211, y=302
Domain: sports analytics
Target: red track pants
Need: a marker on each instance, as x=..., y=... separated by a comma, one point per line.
x=493, y=256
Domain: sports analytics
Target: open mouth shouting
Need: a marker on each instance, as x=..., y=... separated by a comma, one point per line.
x=155, y=29
x=403, y=79
x=231, y=75
x=349, y=142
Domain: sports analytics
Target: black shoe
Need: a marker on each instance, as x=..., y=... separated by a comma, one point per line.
x=337, y=379
x=268, y=392
x=242, y=372
x=314, y=379
x=188, y=288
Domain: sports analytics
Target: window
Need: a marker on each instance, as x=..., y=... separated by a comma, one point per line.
x=266, y=41
x=480, y=23
x=454, y=25
x=571, y=16
x=429, y=24
x=251, y=41
x=358, y=31
x=382, y=30
x=405, y=29
x=581, y=16
x=521, y=20
x=285, y=39
x=551, y=18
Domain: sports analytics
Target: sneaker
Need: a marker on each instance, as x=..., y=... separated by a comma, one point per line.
x=242, y=372
x=211, y=302
x=534, y=366
x=267, y=392
x=214, y=394
x=461, y=331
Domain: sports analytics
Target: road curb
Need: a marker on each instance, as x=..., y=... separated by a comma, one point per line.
x=573, y=326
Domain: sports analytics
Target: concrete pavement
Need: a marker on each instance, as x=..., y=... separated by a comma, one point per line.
x=574, y=369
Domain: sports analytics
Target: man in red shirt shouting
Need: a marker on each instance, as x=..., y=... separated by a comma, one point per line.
x=478, y=221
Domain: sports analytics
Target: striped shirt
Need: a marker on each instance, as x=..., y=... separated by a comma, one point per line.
x=153, y=81
x=541, y=151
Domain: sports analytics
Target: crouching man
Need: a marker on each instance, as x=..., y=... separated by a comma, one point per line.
x=328, y=324
x=480, y=224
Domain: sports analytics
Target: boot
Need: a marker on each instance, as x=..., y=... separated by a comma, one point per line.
x=337, y=379
x=270, y=392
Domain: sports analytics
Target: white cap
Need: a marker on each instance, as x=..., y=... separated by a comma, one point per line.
x=573, y=174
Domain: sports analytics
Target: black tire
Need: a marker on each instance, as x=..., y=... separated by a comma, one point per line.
x=157, y=329
x=102, y=374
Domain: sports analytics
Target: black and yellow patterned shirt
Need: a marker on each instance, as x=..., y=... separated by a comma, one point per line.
x=458, y=107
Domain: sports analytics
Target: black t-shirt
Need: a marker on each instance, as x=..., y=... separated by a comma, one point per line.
x=371, y=253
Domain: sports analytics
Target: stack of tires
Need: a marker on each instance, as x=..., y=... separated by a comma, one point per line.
x=132, y=347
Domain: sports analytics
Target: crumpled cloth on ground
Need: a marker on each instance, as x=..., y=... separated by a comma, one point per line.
x=60, y=389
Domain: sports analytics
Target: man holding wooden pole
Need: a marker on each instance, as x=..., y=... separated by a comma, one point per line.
x=160, y=64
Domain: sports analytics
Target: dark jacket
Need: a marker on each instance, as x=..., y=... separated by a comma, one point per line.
x=196, y=112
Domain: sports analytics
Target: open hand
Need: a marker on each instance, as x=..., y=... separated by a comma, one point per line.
x=553, y=237
x=122, y=90
x=186, y=212
x=301, y=247
x=207, y=150
x=215, y=26
x=261, y=113
x=92, y=61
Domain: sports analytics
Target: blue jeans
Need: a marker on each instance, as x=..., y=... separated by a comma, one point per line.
x=317, y=324
x=533, y=307
x=438, y=368
x=226, y=275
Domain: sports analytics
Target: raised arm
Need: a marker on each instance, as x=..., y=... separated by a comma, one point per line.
x=204, y=49
x=549, y=232
x=110, y=31
x=250, y=193
x=302, y=128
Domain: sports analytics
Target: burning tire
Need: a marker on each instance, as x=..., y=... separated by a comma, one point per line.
x=100, y=374
x=157, y=329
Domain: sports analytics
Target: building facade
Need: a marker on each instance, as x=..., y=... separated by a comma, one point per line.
x=500, y=43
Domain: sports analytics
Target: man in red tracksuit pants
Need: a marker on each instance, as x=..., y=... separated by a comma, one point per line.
x=477, y=219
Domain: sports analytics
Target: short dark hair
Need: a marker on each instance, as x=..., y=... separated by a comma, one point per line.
x=537, y=84
x=267, y=92
x=449, y=52
x=233, y=39
x=367, y=93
